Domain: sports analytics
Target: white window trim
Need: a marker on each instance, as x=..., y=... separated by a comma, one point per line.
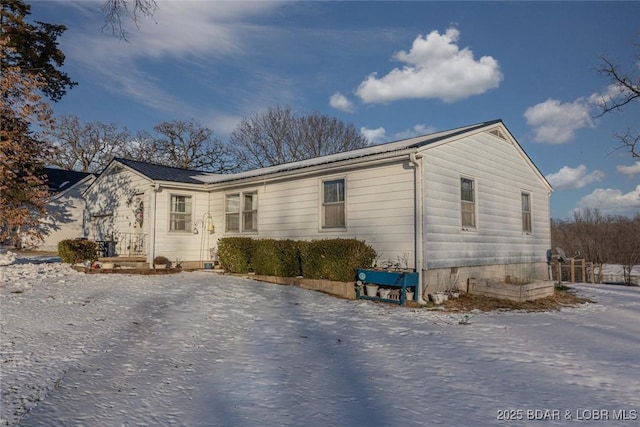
x=525, y=232
x=466, y=228
x=321, y=227
x=189, y=227
x=226, y=197
x=241, y=227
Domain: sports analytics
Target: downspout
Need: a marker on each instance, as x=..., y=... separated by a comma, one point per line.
x=151, y=253
x=416, y=160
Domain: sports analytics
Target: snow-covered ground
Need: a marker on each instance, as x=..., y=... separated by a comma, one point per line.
x=199, y=349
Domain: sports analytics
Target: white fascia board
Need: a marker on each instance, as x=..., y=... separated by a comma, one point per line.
x=180, y=185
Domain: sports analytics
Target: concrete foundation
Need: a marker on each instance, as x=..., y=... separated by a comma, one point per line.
x=513, y=292
x=443, y=279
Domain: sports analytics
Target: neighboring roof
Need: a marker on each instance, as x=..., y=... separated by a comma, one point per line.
x=60, y=180
x=388, y=147
x=164, y=173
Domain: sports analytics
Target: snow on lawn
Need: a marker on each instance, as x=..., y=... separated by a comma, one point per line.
x=198, y=349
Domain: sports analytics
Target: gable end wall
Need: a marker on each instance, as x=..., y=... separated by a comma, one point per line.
x=500, y=173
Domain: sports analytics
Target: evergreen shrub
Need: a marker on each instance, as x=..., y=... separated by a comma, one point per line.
x=335, y=259
x=234, y=254
x=77, y=250
x=271, y=257
x=330, y=259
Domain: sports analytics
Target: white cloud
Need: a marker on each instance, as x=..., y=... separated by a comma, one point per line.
x=340, y=102
x=198, y=32
x=613, y=202
x=610, y=94
x=568, y=178
x=630, y=171
x=374, y=136
x=419, y=129
x=556, y=123
x=223, y=124
x=435, y=68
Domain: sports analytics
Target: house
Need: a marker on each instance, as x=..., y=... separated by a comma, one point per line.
x=65, y=208
x=466, y=202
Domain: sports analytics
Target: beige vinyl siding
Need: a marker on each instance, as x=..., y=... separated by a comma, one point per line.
x=379, y=208
x=72, y=226
x=106, y=201
x=500, y=173
x=182, y=245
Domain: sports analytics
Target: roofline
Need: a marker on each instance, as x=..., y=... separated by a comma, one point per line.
x=336, y=160
x=349, y=156
x=159, y=182
x=368, y=160
x=537, y=170
x=77, y=183
x=121, y=159
x=512, y=140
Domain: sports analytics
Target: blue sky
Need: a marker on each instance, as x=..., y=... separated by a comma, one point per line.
x=393, y=69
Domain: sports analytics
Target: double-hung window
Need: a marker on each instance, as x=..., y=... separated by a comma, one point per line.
x=241, y=212
x=526, y=212
x=232, y=212
x=250, y=212
x=468, y=203
x=333, y=204
x=180, y=213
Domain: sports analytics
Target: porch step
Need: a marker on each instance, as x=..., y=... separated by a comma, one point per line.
x=125, y=262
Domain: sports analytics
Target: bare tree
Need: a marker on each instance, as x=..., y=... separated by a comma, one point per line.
x=117, y=11
x=600, y=239
x=86, y=147
x=279, y=136
x=626, y=85
x=89, y=147
x=590, y=230
x=188, y=145
x=142, y=147
x=624, y=239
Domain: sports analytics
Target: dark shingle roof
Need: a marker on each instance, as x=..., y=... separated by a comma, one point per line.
x=163, y=173
x=59, y=180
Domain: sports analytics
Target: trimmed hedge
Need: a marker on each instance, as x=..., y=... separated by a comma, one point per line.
x=270, y=257
x=76, y=251
x=335, y=259
x=331, y=259
x=235, y=254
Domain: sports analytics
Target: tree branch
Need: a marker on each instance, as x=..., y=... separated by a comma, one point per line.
x=116, y=11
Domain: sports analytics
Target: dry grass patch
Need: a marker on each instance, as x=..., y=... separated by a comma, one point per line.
x=563, y=297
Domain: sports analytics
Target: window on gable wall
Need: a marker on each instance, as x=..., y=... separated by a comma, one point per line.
x=333, y=204
x=241, y=212
x=180, y=213
x=468, y=203
x=526, y=212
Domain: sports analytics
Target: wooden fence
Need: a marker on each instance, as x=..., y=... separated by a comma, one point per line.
x=575, y=270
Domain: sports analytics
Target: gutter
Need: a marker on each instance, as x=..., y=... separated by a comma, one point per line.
x=309, y=170
x=416, y=159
